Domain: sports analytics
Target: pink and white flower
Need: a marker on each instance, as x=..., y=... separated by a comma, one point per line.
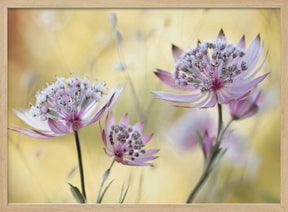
x=246, y=107
x=214, y=71
x=66, y=106
x=125, y=142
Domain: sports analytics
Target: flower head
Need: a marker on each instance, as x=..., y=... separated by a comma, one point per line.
x=246, y=107
x=125, y=142
x=66, y=106
x=214, y=71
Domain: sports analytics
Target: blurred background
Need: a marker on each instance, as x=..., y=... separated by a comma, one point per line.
x=45, y=43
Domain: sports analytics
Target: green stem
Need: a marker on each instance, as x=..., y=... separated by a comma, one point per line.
x=139, y=187
x=103, y=181
x=214, y=154
x=200, y=183
x=220, y=121
x=224, y=130
x=80, y=163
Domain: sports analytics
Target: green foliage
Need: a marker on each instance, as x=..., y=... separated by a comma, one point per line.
x=102, y=195
x=79, y=198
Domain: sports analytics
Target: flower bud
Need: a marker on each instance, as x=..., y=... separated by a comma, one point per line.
x=106, y=175
x=113, y=20
x=118, y=36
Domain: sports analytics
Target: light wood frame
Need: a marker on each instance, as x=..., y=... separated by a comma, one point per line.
x=6, y=4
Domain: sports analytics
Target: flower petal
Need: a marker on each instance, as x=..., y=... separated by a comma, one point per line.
x=145, y=158
x=253, y=53
x=227, y=95
x=177, y=52
x=224, y=98
x=108, y=154
x=103, y=135
x=209, y=101
x=34, y=133
x=116, y=96
x=139, y=126
x=241, y=43
x=221, y=35
x=98, y=115
x=110, y=120
x=34, y=122
x=147, y=138
x=112, y=97
x=254, y=59
x=256, y=71
x=134, y=163
x=246, y=86
x=57, y=127
x=167, y=78
x=125, y=119
x=151, y=151
x=177, y=97
x=89, y=110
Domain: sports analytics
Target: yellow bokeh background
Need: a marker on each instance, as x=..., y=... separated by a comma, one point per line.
x=45, y=43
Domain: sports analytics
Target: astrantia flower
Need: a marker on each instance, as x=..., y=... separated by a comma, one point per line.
x=246, y=107
x=213, y=71
x=125, y=142
x=66, y=106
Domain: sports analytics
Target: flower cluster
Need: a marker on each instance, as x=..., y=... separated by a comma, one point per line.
x=125, y=142
x=216, y=71
x=66, y=106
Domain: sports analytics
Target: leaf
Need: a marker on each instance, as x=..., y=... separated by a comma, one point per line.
x=200, y=138
x=223, y=153
x=72, y=171
x=124, y=196
x=122, y=189
x=103, y=193
x=79, y=198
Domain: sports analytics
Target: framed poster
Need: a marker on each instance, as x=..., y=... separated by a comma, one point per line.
x=156, y=105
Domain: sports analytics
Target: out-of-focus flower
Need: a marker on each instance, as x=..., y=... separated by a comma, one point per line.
x=244, y=108
x=125, y=142
x=184, y=131
x=213, y=71
x=66, y=106
x=28, y=81
x=52, y=19
x=239, y=155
